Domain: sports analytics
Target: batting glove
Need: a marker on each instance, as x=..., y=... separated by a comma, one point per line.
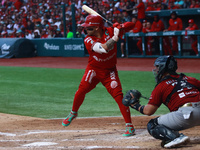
x=116, y=34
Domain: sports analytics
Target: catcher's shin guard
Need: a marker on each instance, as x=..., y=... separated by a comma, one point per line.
x=129, y=130
x=160, y=131
x=69, y=118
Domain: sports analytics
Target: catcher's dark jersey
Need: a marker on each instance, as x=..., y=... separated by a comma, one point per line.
x=186, y=93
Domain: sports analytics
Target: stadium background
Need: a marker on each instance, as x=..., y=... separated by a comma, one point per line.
x=46, y=16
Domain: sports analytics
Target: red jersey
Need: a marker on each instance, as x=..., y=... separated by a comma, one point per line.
x=44, y=36
x=185, y=95
x=146, y=30
x=18, y=4
x=193, y=27
x=174, y=7
x=175, y=24
x=116, y=12
x=157, y=26
x=194, y=6
x=105, y=60
x=137, y=27
x=150, y=8
x=141, y=10
x=158, y=8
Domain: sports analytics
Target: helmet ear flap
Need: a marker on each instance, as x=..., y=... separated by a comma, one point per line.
x=171, y=65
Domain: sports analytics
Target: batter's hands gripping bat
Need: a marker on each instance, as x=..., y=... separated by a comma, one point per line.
x=91, y=11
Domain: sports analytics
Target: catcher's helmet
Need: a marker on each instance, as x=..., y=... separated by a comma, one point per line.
x=164, y=64
x=93, y=20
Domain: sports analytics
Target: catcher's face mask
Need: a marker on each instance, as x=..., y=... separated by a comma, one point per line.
x=164, y=64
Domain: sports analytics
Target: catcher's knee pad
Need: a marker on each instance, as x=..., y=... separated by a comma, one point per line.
x=160, y=131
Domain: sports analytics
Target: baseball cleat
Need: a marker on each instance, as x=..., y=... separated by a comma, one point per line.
x=129, y=130
x=182, y=139
x=69, y=118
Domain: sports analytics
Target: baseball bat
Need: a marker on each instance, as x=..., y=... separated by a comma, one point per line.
x=91, y=11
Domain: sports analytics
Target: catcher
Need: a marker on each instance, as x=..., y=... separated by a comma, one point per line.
x=180, y=93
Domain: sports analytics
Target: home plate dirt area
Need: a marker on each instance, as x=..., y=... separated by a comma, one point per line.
x=20, y=132
x=104, y=133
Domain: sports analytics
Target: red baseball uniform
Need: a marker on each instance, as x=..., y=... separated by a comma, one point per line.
x=194, y=6
x=149, y=39
x=193, y=27
x=101, y=68
x=141, y=10
x=173, y=7
x=138, y=28
x=194, y=44
x=150, y=6
x=157, y=27
x=175, y=25
x=185, y=95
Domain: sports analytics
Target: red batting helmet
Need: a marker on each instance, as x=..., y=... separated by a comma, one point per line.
x=191, y=21
x=93, y=20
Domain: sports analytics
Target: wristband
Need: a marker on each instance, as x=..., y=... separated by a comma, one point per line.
x=136, y=106
x=115, y=38
x=142, y=109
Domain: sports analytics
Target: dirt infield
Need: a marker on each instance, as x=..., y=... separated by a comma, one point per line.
x=21, y=132
x=135, y=64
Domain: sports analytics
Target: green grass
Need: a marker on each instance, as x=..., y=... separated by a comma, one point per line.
x=49, y=92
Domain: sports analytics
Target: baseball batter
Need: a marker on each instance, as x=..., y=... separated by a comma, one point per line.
x=100, y=43
x=180, y=93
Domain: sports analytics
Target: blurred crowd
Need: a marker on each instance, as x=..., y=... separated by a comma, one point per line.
x=44, y=18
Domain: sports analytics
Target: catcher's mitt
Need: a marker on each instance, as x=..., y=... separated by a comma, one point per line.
x=131, y=97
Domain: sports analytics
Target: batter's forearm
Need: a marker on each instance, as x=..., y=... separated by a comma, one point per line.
x=109, y=44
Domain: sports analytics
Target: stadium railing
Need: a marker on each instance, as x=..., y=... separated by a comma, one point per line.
x=183, y=50
x=180, y=12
